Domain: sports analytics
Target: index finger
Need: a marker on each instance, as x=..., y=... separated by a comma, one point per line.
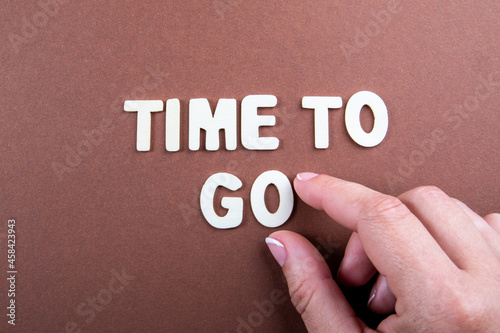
x=396, y=242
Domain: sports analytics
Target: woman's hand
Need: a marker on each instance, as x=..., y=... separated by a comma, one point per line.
x=438, y=261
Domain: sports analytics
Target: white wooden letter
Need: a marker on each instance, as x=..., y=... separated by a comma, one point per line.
x=257, y=199
x=380, y=116
x=143, y=109
x=321, y=123
x=200, y=117
x=234, y=215
x=251, y=121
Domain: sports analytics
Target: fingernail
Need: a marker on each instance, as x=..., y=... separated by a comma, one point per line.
x=277, y=250
x=305, y=176
x=372, y=295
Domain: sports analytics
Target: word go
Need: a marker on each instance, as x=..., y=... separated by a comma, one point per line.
x=234, y=215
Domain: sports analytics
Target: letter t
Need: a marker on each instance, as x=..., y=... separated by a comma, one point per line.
x=143, y=109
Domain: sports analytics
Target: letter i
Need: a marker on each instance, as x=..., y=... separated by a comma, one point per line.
x=172, y=125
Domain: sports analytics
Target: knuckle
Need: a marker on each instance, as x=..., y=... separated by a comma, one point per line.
x=425, y=192
x=493, y=218
x=460, y=307
x=384, y=208
x=469, y=313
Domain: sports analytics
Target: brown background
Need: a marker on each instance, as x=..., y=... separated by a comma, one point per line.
x=138, y=212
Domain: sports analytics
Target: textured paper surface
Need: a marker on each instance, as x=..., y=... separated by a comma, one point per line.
x=120, y=210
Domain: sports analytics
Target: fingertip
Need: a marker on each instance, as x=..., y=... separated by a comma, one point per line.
x=356, y=269
x=305, y=176
x=284, y=244
x=381, y=300
x=296, y=246
x=313, y=292
x=283, y=236
x=309, y=188
x=301, y=186
x=277, y=250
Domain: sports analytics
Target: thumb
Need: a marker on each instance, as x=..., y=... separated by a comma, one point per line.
x=313, y=291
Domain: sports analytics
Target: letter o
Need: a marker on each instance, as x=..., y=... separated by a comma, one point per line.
x=255, y=319
x=257, y=199
x=353, y=123
x=107, y=294
x=88, y=148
